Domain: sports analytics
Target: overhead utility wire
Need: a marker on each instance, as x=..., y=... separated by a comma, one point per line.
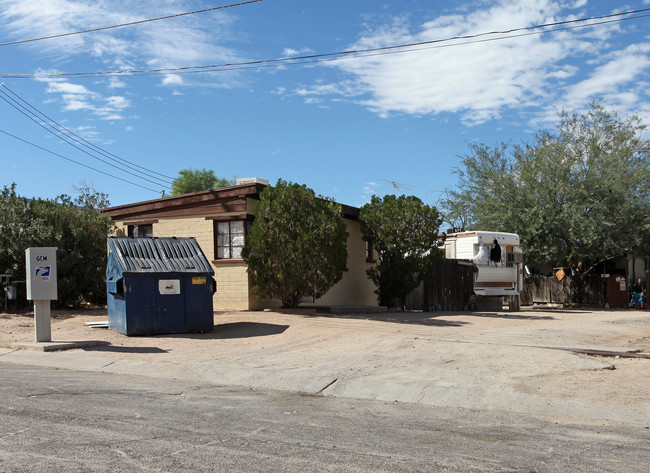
x=83, y=142
x=266, y=64
x=64, y=137
x=423, y=48
x=347, y=54
x=51, y=129
x=77, y=162
x=128, y=24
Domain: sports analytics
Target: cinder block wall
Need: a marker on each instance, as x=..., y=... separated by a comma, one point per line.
x=354, y=289
x=232, y=278
x=232, y=285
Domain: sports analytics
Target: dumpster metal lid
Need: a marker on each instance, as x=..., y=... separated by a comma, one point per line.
x=159, y=255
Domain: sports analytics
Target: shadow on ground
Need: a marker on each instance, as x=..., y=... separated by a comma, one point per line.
x=434, y=319
x=428, y=319
x=134, y=350
x=235, y=330
x=501, y=315
x=247, y=330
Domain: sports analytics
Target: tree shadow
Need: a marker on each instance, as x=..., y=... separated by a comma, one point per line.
x=434, y=319
x=501, y=315
x=567, y=311
x=428, y=319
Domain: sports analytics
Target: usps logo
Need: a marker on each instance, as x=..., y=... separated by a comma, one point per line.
x=42, y=273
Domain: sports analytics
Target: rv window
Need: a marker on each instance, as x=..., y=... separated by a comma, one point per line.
x=482, y=254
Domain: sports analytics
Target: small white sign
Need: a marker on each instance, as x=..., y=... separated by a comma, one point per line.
x=169, y=286
x=41, y=274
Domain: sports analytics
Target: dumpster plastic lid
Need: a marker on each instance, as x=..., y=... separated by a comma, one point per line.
x=159, y=255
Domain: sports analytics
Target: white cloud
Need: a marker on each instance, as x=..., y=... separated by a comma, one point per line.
x=117, y=102
x=187, y=41
x=290, y=52
x=115, y=83
x=74, y=103
x=59, y=86
x=368, y=191
x=172, y=79
x=480, y=81
x=86, y=132
x=617, y=79
x=347, y=89
x=76, y=97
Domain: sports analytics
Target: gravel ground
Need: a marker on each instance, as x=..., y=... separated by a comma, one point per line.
x=519, y=362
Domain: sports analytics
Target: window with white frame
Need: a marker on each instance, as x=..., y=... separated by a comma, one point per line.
x=230, y=238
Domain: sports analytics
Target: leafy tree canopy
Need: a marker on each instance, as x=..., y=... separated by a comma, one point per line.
x=73, y=225
x=579, y=193
x=196, y=180
x=297, y=246
x=404, y=232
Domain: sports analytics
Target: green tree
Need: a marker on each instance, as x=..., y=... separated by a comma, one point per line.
x=16, y=231
x=404, y=232
x=74, y=226
x=196, y=180
x=579, y=193
x=297, y=246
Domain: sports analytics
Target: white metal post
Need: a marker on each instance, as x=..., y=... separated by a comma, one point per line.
x=42, y=321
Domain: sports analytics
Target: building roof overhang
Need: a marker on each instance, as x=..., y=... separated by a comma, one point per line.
x=211, y=202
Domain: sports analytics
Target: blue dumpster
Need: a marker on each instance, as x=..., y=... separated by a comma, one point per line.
x=158, y=285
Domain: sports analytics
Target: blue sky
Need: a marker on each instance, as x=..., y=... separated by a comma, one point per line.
x=345, y=128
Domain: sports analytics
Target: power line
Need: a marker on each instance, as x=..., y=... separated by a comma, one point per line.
x=62, y=130
x=390, y=50
x=77, y=162
x=63, y=137
x=358, y=53
x=128, y=24
x=71, y=141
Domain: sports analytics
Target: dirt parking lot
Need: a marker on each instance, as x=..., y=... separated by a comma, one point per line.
x=523, y=361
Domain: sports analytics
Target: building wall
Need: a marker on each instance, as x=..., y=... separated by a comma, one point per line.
x=355, y=289
x=233, y=287
x=231, y=276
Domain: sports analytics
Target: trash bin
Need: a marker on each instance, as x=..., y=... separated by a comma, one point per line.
x=158, y=285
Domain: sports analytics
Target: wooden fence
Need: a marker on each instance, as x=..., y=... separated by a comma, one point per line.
x=447, y=287
x=570, y=290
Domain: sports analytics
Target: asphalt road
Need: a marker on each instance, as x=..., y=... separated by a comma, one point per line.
x=69, y=421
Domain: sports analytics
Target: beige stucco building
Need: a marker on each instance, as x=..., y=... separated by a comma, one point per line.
x=219, y=219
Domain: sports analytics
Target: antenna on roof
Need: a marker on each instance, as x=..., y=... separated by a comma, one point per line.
x=397, y=186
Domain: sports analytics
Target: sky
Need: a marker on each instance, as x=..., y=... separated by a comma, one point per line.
x=381, y=121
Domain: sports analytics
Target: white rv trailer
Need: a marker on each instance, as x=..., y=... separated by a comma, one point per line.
x=491, y=279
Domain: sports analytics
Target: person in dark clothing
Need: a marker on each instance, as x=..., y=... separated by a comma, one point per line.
x=495, y=253
x=637, y=292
